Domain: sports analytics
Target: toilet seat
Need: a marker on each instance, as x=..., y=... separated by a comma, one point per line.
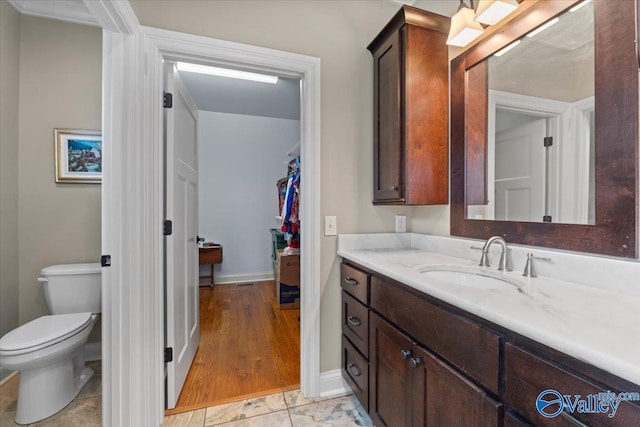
x=43, y=332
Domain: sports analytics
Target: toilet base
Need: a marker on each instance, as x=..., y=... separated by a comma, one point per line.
x=45, y=391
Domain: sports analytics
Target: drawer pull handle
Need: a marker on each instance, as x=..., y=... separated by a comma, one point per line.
x=405, y=354
x=353, y=370
x=351, y=280
x=354, y=321
x=567, y=415
x=415, y=362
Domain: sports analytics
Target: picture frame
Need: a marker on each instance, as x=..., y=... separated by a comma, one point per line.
x=78, y=156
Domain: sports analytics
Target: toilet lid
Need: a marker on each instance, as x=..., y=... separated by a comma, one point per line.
x=44, y=331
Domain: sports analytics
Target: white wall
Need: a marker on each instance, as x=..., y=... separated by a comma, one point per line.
x=241, y=158
x=9, y=96
x=60, y=87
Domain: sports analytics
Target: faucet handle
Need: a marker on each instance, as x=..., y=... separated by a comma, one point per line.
x=529, y=270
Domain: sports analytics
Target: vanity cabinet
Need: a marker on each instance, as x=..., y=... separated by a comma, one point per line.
x=411, y=83
x=355, y=331
x=410, y=386
x=426, y=362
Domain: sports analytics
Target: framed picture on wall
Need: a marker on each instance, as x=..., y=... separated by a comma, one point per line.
x=78, y=156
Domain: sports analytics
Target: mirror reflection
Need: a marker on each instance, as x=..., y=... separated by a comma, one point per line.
x=540, y=142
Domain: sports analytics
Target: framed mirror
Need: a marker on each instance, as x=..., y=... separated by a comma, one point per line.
x=544, y=129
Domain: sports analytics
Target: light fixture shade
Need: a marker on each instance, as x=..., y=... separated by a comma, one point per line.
x=463, y=29
x=491, y=12
x=226, y=72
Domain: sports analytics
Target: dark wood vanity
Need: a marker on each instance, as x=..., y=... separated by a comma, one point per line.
x=411, y=87
x=414, y=360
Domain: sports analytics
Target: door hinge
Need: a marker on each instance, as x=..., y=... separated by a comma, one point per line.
x=167, y=228
x=167, y=99
x=546, y=218
x=548, y=141
x=105, y=260
x=168, y=354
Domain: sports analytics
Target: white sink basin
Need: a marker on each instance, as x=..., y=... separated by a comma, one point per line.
x=472, y=277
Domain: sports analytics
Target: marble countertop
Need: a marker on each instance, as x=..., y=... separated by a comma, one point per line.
x=598, y=326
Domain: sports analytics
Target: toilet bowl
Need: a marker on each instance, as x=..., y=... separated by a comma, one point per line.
x=49, y=351
x=49, y=354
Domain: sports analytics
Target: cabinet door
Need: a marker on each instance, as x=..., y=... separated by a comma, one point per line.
x=443, y=397
x=387, y=148
x=389, y=375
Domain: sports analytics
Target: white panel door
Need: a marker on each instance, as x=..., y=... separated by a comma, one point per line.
x=183, y=333
x=520, y=172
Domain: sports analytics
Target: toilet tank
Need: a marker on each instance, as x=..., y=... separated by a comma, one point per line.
x=72, y=288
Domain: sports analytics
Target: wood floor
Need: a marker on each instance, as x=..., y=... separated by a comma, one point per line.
x=248, y=345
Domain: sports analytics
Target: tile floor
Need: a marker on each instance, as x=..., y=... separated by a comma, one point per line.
x=85, y=410
x=290, y=408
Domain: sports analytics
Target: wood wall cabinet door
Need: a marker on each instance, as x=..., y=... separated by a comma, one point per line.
x=410, y=75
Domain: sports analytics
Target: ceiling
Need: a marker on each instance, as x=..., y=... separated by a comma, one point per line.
x=226, y=95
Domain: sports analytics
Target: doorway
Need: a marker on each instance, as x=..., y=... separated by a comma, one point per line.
x=238, y=138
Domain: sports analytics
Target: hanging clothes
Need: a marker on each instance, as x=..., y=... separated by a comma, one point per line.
x=290, y=223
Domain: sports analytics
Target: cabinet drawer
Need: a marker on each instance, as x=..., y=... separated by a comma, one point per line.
x=355, y=370
x=355, y=323
x=355, y=282
x=527, y=375
x=465, y=344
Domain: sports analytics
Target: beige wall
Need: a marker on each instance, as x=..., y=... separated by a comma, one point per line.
x=60, y=87
x=337, y=32
x=9, y=80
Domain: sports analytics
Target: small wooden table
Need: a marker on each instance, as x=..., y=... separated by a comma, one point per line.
x=210, y=255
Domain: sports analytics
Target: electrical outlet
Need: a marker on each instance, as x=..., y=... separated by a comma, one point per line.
x=401, y=223
x=330, y=226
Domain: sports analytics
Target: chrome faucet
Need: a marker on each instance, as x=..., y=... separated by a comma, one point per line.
x=505, y=263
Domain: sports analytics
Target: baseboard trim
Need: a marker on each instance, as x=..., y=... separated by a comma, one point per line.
x=5, y=374
x=243, y=278
x=93, y=351
x=332, y=384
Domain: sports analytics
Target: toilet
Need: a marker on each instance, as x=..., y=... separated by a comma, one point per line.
x=49, y=351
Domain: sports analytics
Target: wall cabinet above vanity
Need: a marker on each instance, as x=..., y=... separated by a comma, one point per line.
x=410, y=60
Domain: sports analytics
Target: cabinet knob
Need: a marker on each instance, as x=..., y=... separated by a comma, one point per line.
x=393, y=188
x=405, y=354
x=351, y=281
x=354, y=321
x=353, y=370
x=415, y=362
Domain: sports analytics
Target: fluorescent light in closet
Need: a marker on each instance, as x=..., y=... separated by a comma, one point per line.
x=543, y=27
x=226, y=72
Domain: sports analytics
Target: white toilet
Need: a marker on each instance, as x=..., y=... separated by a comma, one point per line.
x=49, y=351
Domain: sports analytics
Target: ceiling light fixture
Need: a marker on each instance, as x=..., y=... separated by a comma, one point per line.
x=226, y=72
x=507, y=49
x=463, y=29
x=580, y=5
x=491, y=12
x=543, y=27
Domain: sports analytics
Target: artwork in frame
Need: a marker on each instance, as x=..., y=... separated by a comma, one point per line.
x=78, y=156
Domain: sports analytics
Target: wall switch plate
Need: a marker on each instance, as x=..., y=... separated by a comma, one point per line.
x=330, y=226
x=401, y=223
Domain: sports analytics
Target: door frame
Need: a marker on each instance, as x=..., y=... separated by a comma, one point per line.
x=165, y=45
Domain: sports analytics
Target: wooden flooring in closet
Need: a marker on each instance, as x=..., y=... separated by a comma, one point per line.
x=248, y=346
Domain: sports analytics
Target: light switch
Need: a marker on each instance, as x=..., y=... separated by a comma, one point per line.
x=330, y=226
x=401, y=223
